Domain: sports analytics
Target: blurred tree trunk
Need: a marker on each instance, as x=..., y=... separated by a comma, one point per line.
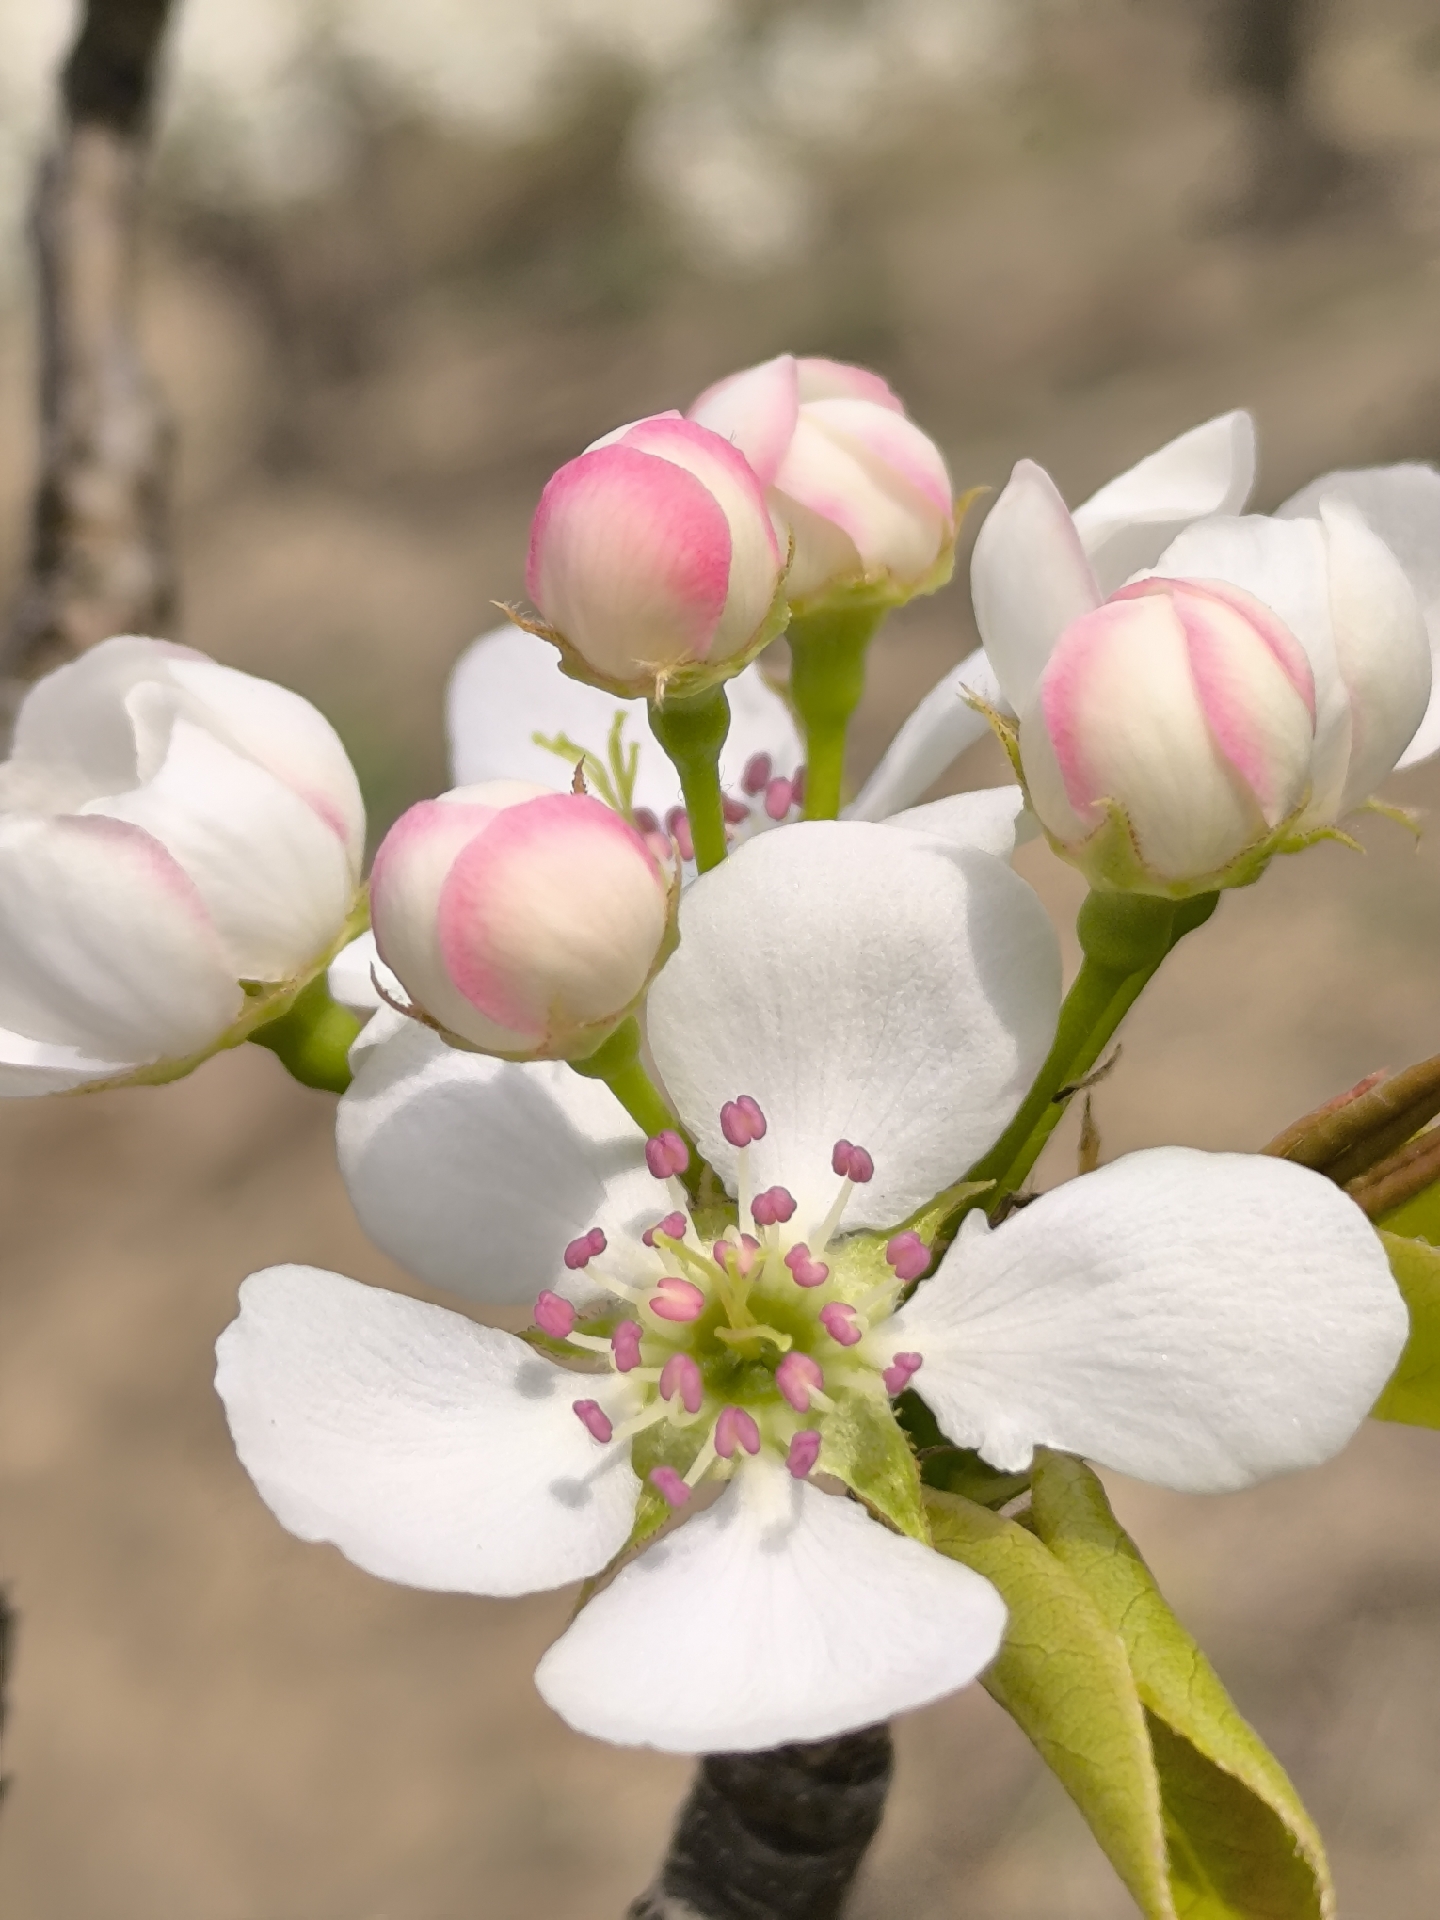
x=99, y=560
x=774, y=1836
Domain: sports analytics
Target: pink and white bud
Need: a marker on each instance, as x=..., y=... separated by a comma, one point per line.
x=864, y=493
x=654, y=558
x=521, y=922
x=1184, y=710
x=169, y=829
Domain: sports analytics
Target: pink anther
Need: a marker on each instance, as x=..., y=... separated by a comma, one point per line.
x=774, y=1206
x=908, y=1254
x=797, y=1377
x=672, y=1226
x=726, y=1253
x=677, y=1299
x=735, y=1428
x=804, y=1452
x=554, y=1316
x=666, y=1154
x=852, y=1162
x=644, y=821
x=797, y=787
x=581, y=1252
x=756, y=776
x=668, y=1484
x=804, y=1271
x=681, y=1375
x=778, y=798
x=594, y=1419
x=677, y=822
x=838, y=1320
x=897, y=1375
x=625, y=1345
x=741, y=1121
x=735, y=810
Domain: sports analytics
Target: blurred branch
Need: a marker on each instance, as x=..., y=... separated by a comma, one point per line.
x=774, y=1836
x=99, y=558
x=7, y=1650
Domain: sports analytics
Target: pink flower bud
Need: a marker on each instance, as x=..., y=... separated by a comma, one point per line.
x=523, y=922
x=863, y=491
x=655, y=551
x=1186, y=705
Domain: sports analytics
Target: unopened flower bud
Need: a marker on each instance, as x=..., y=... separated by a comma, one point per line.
x=865, y=494
x=1170, y=736
x=520, y=922
x=654, y=560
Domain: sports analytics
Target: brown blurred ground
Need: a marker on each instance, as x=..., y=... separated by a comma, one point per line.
x=213, y=1722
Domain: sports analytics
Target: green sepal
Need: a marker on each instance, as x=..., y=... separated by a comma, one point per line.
x=662, y=1445
x=1413, y=1395
x=1241, y=1844
x=953, y=1469
x=1417, y=1218
x=863, y=1445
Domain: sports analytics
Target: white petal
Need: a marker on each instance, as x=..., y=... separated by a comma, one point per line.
x=275, y=878
x=780, y=1613
x=477, y=1173
x=29, y=1067
x=104, y=943
x=429, y=1450
x=1128, y=523
x=507, y=687
x=940, y=729
x=1402, y=504
x=1029, y=578
x=860, y=982
x=352, y=975
x=988, y=820
x=1200, y=1320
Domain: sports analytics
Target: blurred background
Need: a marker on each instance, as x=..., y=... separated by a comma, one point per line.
x=400, y=261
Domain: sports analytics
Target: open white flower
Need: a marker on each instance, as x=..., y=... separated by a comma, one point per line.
x=852, y=1016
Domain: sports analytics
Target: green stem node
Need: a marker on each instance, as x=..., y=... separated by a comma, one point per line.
x=692, y=731
x=311, y=1040
x=827, y=678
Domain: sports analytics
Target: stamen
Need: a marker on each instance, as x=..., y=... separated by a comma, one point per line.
x=681, y=1375
x=839, y=1321
x=644, y=821
x=677, y=822
x=666, y=1154
x=554, y=1316
x=581, y=1252
x=735, y=810
x=738, y=1336
x=672, y=1226
x=625, y=1345
x=668, y=1484
x=594, y=1419
x=804, y=1452
x=804, y=1271
x=798, y=1377
x=756, y=776
x=908, y=1254
x=897, y=1375
x=735, y=1427
x=774, y=1205
x=853, y=1162
x=742, y=1121
x=702, y=1463
x=742, y=1252
x=677, y=1299
x=797, y=787
x=778, y=796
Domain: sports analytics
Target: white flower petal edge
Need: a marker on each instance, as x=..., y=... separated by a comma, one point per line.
x=990, y=820
x=351, y=980
x=939, y=730
x=30, y=1067
x=781, y=1613
x=1029, y=578
x=786, y=987
x=507, y=687
x=476, y=1173
x=1197, y=1320
x=1402, y=505
x=431, y=1451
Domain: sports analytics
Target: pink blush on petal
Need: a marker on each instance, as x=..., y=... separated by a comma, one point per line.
x=1063, y=689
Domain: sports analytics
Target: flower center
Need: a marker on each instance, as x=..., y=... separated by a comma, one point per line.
x=740, y=1341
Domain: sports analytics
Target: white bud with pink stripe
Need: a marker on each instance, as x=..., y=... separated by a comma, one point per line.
x=654, y=560
x=520, y=922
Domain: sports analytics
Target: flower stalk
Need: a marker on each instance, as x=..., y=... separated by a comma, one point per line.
x=827, y=678
x=617, y=1062
x=692, y=730
x=312, y=1038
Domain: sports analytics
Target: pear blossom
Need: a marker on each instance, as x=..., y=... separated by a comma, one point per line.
x=654, y=561
x=520, y=921
x=864, y=493
x=853, y=1014
x=1280, y=623
x=180, y=844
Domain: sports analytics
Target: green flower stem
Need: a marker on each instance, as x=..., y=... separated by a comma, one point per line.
x=692, y=731
x=827, y=678
x=617, y=1062
x=311, y=1040
x=1125, y=937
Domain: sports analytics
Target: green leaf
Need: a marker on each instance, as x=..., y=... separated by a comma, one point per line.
x=1063, y=1675
x=1241, y=1844
x=863, y=1445
x=1413, y=1395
